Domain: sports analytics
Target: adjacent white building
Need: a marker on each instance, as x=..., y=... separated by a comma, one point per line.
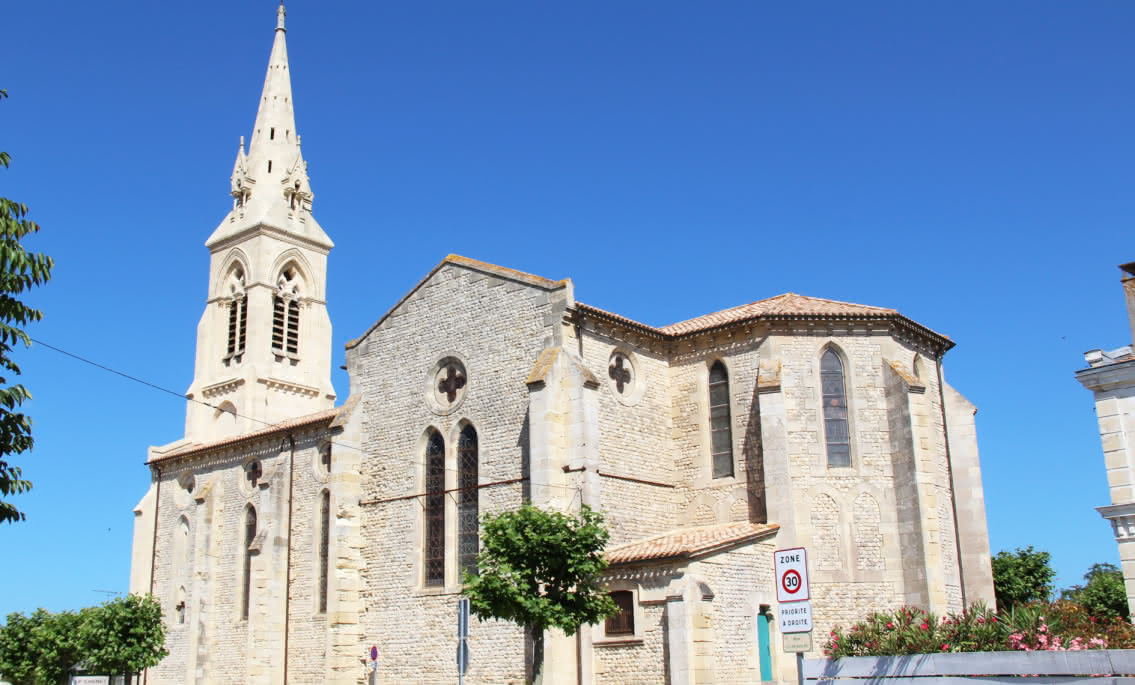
x=1110, y=376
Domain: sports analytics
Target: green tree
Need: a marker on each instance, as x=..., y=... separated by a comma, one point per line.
x=123, y=636
x=1103, y=593
x=1021, y=577
x=39, y=649
x=540, y=570
x=20, y=270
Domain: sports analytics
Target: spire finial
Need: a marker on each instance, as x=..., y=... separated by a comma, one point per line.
x=280, y=14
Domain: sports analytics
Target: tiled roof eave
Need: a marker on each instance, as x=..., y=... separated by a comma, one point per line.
x=891, y=317
x=196, y=450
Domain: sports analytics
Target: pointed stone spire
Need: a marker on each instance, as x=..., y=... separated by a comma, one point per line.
x=270, y=184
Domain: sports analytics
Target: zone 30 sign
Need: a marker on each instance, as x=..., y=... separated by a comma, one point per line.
x=792, y=575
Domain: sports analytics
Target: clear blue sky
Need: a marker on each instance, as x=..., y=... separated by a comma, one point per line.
x=968, y=163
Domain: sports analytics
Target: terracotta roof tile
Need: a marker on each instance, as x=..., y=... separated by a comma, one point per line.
x=689, y=542
x=325, y=416
x=788, y=304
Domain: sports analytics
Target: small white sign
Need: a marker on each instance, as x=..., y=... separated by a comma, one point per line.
x=797, y=642
x=792, y=575
x=795, y=617
x=90, y=680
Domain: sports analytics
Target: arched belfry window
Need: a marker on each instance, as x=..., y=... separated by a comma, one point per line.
x=435, y=510
x=324, y=546
x=468, y=541
x=238, y=315
x=834, y=386
x=720, y=421
x=286, y=313
x=249, y=537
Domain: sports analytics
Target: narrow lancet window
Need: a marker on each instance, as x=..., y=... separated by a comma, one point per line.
x=324, y=547
x=435, y=510
x=249, y=537
x=238, y=315
x=720, y=421
x=468, y=540
x=834, y=386
x=286, y=314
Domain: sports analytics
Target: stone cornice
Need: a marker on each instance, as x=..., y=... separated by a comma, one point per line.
x=269, y=230
x=222, y=387
x=1108, y=377
x=289, y=387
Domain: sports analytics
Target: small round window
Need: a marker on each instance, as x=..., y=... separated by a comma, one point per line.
x=623, y=377
x=448, y=384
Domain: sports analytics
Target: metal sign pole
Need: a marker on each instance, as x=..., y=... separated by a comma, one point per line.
x=799, y=668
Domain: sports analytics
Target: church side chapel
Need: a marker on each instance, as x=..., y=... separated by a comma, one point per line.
x=285, y=533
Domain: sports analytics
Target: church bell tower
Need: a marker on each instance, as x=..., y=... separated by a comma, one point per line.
x=264, y=341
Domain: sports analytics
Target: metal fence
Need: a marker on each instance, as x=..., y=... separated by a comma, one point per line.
x=1092, y=667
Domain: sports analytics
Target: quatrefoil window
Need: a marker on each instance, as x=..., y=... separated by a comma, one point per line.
x=448, y=384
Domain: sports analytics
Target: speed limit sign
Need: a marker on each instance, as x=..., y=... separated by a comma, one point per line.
x=791, y=575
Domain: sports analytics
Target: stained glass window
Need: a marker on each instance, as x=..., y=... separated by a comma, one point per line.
x=435, y=510
x=836, y=432
x=468, y=541
x=720, y=422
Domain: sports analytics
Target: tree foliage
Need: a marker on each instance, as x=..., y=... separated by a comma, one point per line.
x=540, y=569
x=40, y=649
x=1021, y=577
x=1103, y=593
x=20, y=270
x=124, y=635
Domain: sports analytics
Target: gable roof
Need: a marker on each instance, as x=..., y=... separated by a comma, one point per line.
x=787, y=306
x=689, y=543
x=476, y=265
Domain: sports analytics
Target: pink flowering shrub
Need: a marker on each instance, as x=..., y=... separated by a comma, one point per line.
x=1042, y=626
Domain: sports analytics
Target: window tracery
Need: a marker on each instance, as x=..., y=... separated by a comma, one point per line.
x=468, y=539
x=435, y=511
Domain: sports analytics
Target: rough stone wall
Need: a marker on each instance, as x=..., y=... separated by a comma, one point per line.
x=634, y=436
x=497, y=327
x=215, y=642
x=702, y=498
x=736, y=577
x=845, y=516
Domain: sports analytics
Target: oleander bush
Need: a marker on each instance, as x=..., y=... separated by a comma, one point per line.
x=1050, y=626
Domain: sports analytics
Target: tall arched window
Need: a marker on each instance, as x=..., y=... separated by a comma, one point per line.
x=286, y=313
x=324, y=545
x=468, y=541
x=238, y=315
x=836, y=433
x=249, y=536
x=435, y=510
x=720, y=422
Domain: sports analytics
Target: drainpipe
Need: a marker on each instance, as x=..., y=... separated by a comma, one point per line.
x=288, y=563
x=953, y=490
x=154, y=543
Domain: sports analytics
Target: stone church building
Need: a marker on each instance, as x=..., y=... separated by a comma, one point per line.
x=287, y=532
